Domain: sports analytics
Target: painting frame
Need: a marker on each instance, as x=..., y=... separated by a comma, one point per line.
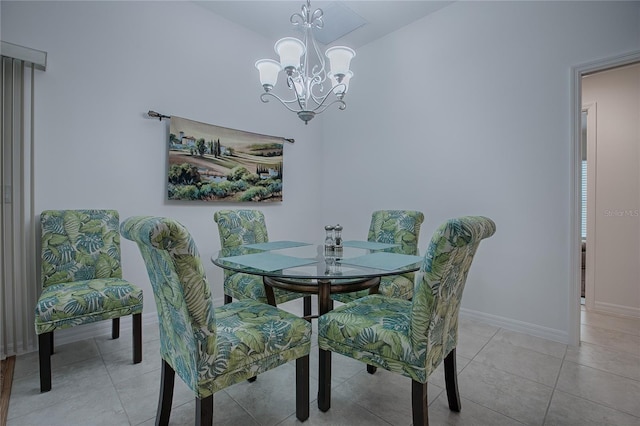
x=211, y=163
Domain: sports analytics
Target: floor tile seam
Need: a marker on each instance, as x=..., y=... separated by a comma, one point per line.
x=600, y=403
x=533, y=350
x=483, y=346
x=555, y=385
x=519, y=375
x=611, y=348
x=607, y=329
x=245, y=409
x=605, y=371
x=115, y=389
x=375, y=415
x=479, y=403
x=492, y=410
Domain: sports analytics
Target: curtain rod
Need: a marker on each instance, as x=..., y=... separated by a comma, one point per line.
x=159, y=116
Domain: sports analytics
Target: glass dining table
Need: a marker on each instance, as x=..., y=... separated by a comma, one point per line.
x=308, y=269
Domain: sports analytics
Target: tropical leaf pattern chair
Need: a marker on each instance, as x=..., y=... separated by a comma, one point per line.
x=82, y=280
x=240, y=227
x=410, y=337
x=209, y=348
x=394, y=227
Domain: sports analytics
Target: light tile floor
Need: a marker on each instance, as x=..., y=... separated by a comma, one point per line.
x=505, y=378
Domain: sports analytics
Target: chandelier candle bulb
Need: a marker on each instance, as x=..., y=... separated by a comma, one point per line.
x=340, y=59
x=269, y=70
x=290, y=51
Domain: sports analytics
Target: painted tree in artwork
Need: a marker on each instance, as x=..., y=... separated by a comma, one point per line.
x=201, y=147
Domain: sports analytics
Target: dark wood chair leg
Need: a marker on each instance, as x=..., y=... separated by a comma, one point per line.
x=44, y=353
x=168, y=377
x=324, y=377
x=306, y=300
x=419, y=407
x=371, y=369
x=115, y=328
x=451, y=381
x=302, y=388
x=52, y=346
x=204, y=411
x=137, y=338
x=227, y=299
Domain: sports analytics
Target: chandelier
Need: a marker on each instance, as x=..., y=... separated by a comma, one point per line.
x=313, y=87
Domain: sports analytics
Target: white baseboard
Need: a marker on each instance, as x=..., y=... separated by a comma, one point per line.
x=515, y=325
x=614, y=309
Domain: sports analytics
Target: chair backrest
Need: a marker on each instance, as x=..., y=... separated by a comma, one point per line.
x=238, y=227
x=440, y=282
x=183, y=298
x=397, y=227
x=79, y=245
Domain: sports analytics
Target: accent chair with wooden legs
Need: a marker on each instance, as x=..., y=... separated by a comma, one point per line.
x=410, y=337
x=247, y=226
x=212, y=348
x=82, y=280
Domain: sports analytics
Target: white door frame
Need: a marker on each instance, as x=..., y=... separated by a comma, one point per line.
x=575, y=249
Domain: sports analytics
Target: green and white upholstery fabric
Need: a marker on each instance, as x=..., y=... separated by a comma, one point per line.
x=240, y=227
x=411, y=337
x=394, y=227
x=81, y=273
x=209, y=348
x=82, y=280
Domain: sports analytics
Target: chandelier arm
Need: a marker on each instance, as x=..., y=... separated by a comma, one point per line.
x=341, y=106
x=263, y=98
x=321, y=100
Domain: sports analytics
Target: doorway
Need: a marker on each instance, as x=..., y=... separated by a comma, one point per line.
x=584, y=154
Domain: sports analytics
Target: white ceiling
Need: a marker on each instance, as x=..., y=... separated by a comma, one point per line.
x=271, y=18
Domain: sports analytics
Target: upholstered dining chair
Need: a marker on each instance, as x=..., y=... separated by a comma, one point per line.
x=211, y=348
x=82, y=280
x=410, y=337
x=246, y=226
x=400, y=227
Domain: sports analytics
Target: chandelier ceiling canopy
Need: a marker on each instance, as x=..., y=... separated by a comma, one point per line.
x=312, y=86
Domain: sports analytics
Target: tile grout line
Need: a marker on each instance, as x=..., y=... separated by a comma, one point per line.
x=555, y=384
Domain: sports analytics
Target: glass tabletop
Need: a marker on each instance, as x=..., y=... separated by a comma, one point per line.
x=307, y=261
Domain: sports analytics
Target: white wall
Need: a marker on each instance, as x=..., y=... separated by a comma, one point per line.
x=111, y=62
x=616, y=195
x=466, y=111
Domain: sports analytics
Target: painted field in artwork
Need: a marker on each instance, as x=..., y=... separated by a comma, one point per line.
x=212, y=163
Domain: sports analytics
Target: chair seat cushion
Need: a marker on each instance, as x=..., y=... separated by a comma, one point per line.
x=69, y=304
x=252, y=338
x=242, y=286
x=398, y=286
x=375, y=330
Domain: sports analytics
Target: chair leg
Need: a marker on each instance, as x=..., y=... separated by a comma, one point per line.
x=306, y=300
x=419, y=407
x=227, y=299
x=302, y=388
x=371, y=369
x=52, y=346
x=44, y=353
x=115, y=328
x=451, y=381
x=324, y=377
x=168, y=376
x=137, y=338
x=204, y=411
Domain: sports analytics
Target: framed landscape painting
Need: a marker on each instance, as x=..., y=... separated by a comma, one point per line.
x=212, y=163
